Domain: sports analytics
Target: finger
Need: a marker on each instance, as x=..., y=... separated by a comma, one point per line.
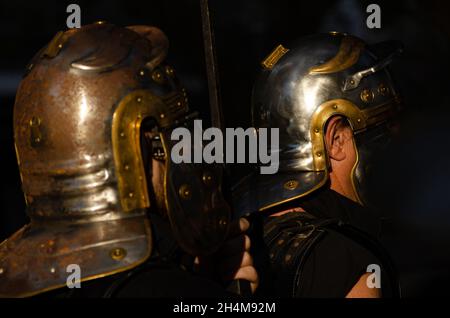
x=238, y=227
x=229, y=267
x=250, y=274
x=246, y=272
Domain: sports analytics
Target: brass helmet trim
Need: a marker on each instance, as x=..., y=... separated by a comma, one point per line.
x=359, y=121
x=272, y=59
x=126, y=127
x=348, y=54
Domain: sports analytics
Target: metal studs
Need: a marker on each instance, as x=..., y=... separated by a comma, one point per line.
x=316, y=130
x=100, y=22
x=1, y=271
x=383, y=90
x=36, y=134
x=185, y=192
x=319, y=154
x=207, y=178
x=280, y=242
x=126, y=167
x=131, y=194
x=118, y=253
x=287, y=258
x=169, y=71
x=139, y=99
x=223, y=222
x=367, y=95
x=162, y=116
x=52, y=270
x=291, y=185
x=335, y=106
x=122, y=134
x=158, y=77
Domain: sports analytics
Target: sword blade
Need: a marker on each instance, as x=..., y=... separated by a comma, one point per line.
x=211, y=67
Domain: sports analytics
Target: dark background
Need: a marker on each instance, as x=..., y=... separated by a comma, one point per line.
x=246, y=31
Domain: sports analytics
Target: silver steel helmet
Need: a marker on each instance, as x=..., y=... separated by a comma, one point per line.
x=77, y=127
x=299, y=89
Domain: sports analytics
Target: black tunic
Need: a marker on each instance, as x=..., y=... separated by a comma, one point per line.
x=324, y=251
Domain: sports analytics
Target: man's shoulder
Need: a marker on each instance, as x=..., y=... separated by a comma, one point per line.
x=300, y=243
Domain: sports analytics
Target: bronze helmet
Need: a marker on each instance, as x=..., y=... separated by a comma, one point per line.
x=77, y=128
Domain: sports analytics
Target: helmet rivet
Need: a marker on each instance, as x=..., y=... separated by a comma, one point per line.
x=207, y=178
x=185, y=192
x=157, y=77
x=358, y=120
x=335, y=106
x=52, y=270
x=131, y=194
x=122, y=134
x=139, y=99
x=169, y=71
x=319, y=154
x=291, y=185
x=383, y=89
x=118, y=253
x=162, y=116
x=126, y=167
x=141, y=72
x=366, y=96
x=317, y=130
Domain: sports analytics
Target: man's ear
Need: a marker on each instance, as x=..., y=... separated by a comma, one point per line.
x=335, y=138
x=158, y=41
